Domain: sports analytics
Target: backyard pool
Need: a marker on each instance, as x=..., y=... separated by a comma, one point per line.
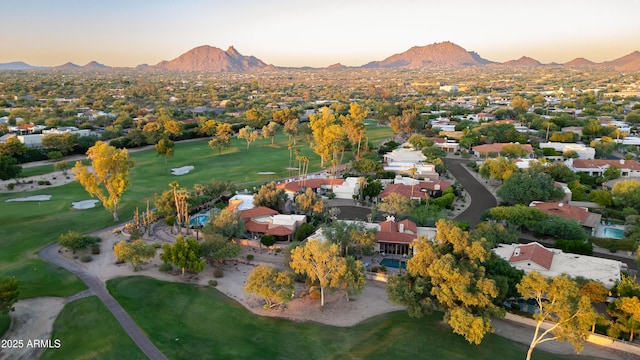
x=394, y=263
x=610, y=231
x=199, y=219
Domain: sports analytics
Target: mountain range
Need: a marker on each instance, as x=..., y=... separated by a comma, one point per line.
x=444, y=54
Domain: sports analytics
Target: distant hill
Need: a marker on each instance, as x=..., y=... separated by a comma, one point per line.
x=67, y=66
x=579, y=62
x=18, y=65
x=209, y=58
x=438, y=54
x=630, y=62
x=523, y=62
x=94, y=65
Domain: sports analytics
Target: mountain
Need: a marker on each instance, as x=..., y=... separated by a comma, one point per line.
x=523, y=62
x=209, y=58
x=438, y=54
x=67, y=66
x=579, y=62
x=94, y=65
x=630, y=62
x=18, y=65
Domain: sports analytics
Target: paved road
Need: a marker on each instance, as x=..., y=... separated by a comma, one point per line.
x=50, y=254
x=481, y=198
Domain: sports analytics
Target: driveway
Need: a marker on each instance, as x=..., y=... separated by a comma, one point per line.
x=481, y=198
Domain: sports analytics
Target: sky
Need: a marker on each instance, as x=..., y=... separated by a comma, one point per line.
x=313, y=33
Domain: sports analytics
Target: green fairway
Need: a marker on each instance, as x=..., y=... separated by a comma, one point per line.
x=87, y=330
x=192, y=322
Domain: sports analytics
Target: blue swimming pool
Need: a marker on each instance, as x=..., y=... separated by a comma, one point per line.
x=394, y=263
x=199, y=219
x=614, y=233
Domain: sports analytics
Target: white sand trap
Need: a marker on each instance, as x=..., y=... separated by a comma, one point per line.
x=84, y=204
x=181, y=170
x=266, y=173
x=31, y=198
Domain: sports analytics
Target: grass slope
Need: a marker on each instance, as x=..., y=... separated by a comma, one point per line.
x=87, y=330
x=192, y=322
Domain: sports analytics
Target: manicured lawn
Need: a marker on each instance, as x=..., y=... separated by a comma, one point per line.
x=192, y=322
x=87, y=330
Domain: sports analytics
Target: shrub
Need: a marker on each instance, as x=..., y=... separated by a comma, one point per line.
x=574, y=246
x=10, y=186
x=40, y=182
x=249, y=257
x=303, y=232
x=213, y=283
x=95, y=249
x=165, y=267
x=85, y=258
x=268, y=240
x=156, y=245
x=218, y=273
x=278, y=250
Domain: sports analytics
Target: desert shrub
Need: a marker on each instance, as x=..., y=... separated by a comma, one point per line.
x=156, y=245
x=165, y=267
x=213, y=283
x=249, y=257
x=303, y=232
x=85, y=258
x=218, y=273
x=268, y=240
x=40, y=182
x=95, y=249
x=10, y=186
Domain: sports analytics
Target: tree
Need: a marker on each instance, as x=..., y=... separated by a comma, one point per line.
x=152, y=132
x=494, y=233
x=354, y=126
x=255, y=118
x=367, y=166
x=270, y=130
x=604, y=147
x=628, y=315
x=217, y=248
x=172, y=129
x=274, y=286
x=319, y=261
x=13, y=147
x=270, y=196
x=184, y=253
x=353, y=279
x=309, y=202
x=9, y=293
x=291, y=128
x=62, y=166
x=227, y=222
x=499, y=168
x=405, y=123
x=523, y=187
x=559, y=301
x=395, y=204
x=325, y=131
x=222, y=138
x=62, y=142
x=9, y=168
x=627, y=193
x=137, y=252
x=165, y=147
x=419, y=142
x=612, y=172
x=513, y=151
x=111, y=168
x=448, y=273
x=248, y=134
x=601, y=197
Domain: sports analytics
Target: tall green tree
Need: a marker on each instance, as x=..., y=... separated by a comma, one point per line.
x=9, y=168
x=184, y=253
x=217, y=248
x=165, y=147
x=136, y=253
x=110, y=172
x=499, y=168
x=222, y=137
x=447, y=273
x=270, y=196
x=523, y=187
x=560, y=302
x=248, y=134
x=270, y=130
x=352, y=280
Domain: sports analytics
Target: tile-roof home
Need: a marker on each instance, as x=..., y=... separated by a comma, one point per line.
x=596, y=167
x=570, y=212
x=262, y=220
x=293, y=187
x=553, y=262
x=395, y=237
x=495, y=149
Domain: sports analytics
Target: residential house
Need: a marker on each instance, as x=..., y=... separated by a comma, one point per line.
x=596, y=167
x=449, y=146
x=261, y=221
x=495, y=149
x=403, y=159
x=554, y=262
x=415, y=189
x=582, y=215
x=584, y=152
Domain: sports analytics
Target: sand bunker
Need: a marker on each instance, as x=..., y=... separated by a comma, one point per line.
x=266, y=173
x=84, y=204
x=31, y=198
x=181, y=170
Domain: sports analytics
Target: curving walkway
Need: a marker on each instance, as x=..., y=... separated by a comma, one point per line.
x=97, y=287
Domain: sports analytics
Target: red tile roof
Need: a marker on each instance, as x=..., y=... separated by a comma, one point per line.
x=264, y=228
x=257, y=212
x=532, y=252
x=295, y=186
x=563, y=210
x=390, y=232
x=279, y=231
x=600, y=163
x=256, y=227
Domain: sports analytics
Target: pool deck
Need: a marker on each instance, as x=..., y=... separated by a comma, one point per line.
x=600, y=230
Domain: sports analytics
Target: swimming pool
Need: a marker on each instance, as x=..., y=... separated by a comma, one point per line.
x=199, y=219
x=614, y=233
x=394, y=263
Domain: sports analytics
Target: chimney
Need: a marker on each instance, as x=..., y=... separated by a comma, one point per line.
x=560, y=204
x=401, y=227
x=621, y=161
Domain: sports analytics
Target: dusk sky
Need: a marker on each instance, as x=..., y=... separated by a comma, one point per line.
x=313, y=33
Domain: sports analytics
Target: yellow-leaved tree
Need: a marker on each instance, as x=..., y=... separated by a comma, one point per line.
x=107, y=177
